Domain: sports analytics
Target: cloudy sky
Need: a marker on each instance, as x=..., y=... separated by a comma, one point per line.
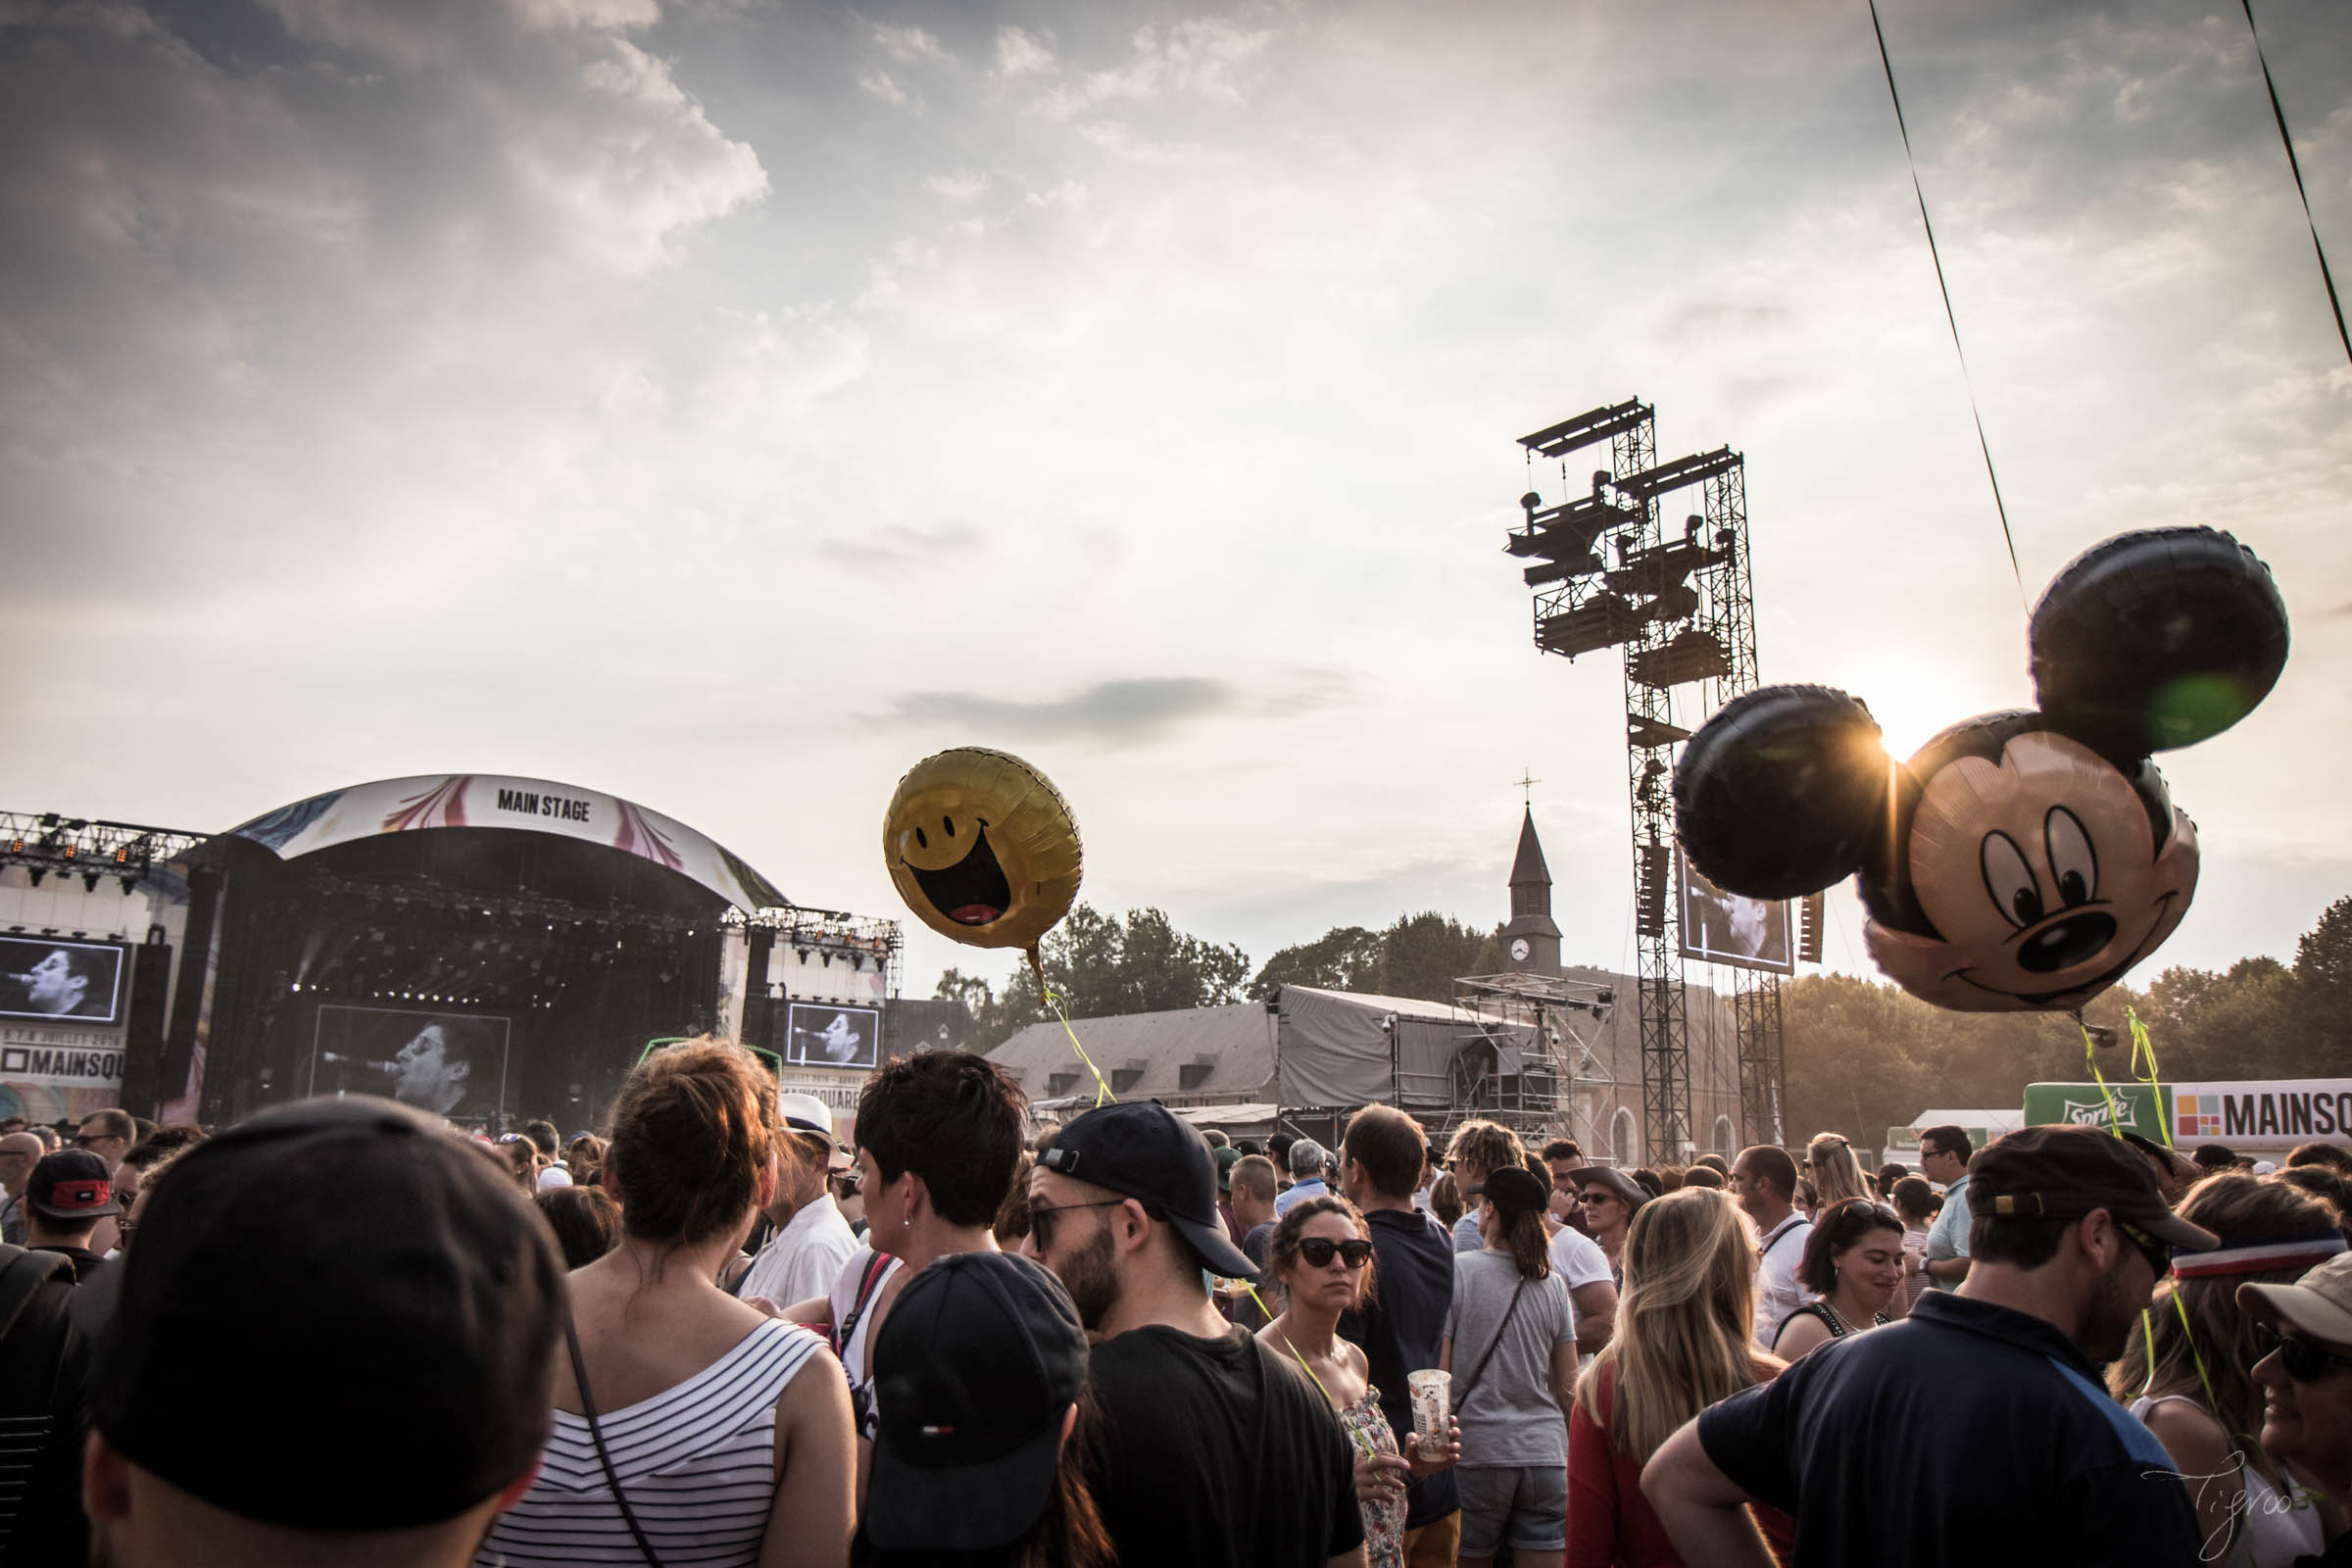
x=726, y=403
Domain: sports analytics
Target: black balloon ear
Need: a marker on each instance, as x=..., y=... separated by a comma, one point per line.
x=1781, y=792
x=2156, y=640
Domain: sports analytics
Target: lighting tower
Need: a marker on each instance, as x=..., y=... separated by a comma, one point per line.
x=1610, y=574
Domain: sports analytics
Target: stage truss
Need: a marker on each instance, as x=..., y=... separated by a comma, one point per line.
x=1563, y=1088
x=1679, y=601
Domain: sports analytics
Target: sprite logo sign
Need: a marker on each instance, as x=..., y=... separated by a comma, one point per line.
x=2135, y=1108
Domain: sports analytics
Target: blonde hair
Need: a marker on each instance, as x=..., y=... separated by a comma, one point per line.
x=1685, y=1322
x=2240, y=1210
x=1836, y=1173
x=1487, y=1144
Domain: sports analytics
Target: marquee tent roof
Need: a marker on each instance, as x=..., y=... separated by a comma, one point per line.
x=1334, y=1050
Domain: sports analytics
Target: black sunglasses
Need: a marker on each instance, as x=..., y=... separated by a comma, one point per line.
x=1317, y=1251
x=2158, y=1253
x=2303, y=1360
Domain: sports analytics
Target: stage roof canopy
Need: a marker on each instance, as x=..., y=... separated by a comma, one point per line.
x=528, y=805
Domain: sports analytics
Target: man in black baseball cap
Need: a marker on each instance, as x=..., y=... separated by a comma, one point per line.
x=336, y=1341
x=65, y=1197
x=1978, y=1429
x=1210, y=1449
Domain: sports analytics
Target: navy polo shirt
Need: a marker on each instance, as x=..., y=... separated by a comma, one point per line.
x=1402, y=1327
x=1965, y=1434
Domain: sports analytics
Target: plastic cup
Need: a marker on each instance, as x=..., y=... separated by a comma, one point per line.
x=1431, y=1394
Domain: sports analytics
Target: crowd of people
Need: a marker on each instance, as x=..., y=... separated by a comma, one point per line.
x=720, y=1332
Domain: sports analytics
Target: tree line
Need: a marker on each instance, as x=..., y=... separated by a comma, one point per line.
x=1860, y=1054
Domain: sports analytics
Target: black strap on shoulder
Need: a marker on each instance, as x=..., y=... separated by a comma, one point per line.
x=579, y=1376
x=846, y=1329
x=1492, y=1345
x=22, y=1273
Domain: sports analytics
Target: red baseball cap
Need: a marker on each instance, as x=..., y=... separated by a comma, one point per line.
x=72, y=1185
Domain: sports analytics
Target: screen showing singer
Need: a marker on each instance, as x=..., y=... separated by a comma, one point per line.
x=452, y=1065
x=832, y=1037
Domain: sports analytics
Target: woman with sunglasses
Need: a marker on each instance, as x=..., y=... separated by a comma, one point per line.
x=1854, y=1262
x=2187, y=1372
x=1836, y=1171
x=522, y=1162
x=1610, y=1199
x=1320, y=1253
x=2304, y=1333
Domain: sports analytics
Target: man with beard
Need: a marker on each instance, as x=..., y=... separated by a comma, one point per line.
x=1204, y=1448
x=1978, y=1429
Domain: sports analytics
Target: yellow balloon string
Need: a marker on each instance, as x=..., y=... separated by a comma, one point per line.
x=1103, y=1093
x=1363, y=1442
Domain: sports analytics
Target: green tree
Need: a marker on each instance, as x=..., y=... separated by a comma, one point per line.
x=1098, y=965
x=1420, y=957
x=1342, y=958
x=1422, y=954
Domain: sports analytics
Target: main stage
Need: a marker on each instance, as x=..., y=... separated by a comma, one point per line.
x=491, y=949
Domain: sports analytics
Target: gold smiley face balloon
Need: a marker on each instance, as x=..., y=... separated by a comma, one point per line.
x=983, y=848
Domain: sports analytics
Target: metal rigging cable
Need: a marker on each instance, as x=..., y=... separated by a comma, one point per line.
x=1950, y=320
x=2280, y=114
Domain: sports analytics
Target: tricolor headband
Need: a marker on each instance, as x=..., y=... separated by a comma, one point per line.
x=2260, y=1256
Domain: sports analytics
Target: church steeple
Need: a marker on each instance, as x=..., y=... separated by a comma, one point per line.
x=1530, y=942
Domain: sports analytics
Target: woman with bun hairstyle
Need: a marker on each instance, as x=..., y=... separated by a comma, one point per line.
x=695, y=1427
x=1685, y=1327
x=1510, y=1345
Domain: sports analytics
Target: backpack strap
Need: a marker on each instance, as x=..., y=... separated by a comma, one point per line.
x=22, y=1273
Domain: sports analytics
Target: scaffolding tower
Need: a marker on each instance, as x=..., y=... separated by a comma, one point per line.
x=1610, y=573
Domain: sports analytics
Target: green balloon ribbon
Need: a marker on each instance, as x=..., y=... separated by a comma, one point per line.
x=2142, y=1067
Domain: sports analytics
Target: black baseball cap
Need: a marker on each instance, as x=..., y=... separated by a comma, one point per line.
x=974, y=1370
x=409, y=1296
x=72, y=1185
x=1515, y=1190
x=2064, y=1172
x=1140, y=1150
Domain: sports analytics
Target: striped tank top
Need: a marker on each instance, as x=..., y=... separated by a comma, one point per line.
x=696, y=1461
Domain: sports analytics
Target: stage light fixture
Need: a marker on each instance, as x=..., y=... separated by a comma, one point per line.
x=90, y=881
x=36, y=873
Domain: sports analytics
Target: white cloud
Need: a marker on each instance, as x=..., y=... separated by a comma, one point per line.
x=878, y=84
x=1021, y=55
x=956, y=188
x=1200, y=56
x=912, y=45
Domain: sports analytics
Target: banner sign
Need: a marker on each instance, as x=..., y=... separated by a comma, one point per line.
x=2276, y=1113
x=59, y=1071
x=537, y=805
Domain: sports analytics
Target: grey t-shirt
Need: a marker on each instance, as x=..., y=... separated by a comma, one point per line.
x=1510, y=1417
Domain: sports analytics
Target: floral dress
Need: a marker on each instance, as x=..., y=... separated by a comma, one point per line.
x=1367, y=1427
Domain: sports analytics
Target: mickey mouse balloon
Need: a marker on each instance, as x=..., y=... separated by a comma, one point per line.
x=2024, y=860
x=982, y=847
